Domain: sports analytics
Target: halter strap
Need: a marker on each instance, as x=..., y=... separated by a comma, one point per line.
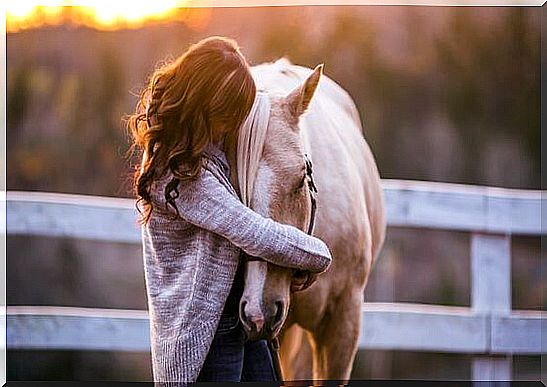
x=312, y=188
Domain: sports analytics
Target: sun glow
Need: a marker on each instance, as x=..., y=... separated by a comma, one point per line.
x=100, y=14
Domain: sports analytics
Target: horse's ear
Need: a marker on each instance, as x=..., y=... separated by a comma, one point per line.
x=299, y=99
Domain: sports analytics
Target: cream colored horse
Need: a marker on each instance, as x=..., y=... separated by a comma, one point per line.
x=312, y=114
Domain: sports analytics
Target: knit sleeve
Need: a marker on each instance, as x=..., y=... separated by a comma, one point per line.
x=207, y=203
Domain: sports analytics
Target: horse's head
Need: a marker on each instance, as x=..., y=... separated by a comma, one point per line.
x=281, y=193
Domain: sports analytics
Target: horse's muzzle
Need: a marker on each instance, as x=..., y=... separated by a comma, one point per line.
x=257, y=326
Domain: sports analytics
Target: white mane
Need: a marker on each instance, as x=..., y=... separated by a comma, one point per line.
x=251, y=138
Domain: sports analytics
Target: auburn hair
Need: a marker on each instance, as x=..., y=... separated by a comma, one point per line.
x=208, y=86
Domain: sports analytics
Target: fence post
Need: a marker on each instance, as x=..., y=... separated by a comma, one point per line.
x=491, y=294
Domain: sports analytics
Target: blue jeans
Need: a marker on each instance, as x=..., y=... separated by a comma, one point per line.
x=232, y=358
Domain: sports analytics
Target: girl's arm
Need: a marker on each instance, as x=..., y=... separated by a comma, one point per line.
x=206, y=203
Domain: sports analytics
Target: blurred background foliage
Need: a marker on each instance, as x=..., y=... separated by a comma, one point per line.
x=447, y=94
x=444, y=94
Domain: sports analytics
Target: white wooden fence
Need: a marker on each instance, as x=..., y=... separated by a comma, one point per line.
x=490, y=329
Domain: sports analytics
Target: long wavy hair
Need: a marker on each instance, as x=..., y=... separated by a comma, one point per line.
x=206, y=91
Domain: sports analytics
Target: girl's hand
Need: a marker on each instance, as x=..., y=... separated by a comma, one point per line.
x=302, y=280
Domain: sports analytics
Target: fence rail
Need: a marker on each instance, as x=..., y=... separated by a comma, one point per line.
x=415, y=327
x=488, y=328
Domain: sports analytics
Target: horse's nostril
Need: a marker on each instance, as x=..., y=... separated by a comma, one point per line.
x=242, y=308
x=242, y=314
x=278, y=313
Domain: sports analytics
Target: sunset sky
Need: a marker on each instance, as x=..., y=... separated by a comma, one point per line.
x=112, y=15
x=101, y=14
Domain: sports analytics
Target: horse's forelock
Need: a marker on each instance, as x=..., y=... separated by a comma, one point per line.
x=252, y=136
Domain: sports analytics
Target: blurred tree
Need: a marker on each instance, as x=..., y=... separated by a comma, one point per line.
x=489, y=76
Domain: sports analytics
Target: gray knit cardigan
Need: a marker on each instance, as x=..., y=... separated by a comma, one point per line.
x=190, y=263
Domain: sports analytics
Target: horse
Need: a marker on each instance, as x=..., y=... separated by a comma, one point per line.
x=311, y=116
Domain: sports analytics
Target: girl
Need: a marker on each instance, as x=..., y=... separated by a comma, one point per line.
x=194, y=226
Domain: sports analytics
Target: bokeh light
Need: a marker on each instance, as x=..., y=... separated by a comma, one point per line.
x=100, y=14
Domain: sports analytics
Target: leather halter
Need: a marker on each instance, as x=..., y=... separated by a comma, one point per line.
x=312, y=188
